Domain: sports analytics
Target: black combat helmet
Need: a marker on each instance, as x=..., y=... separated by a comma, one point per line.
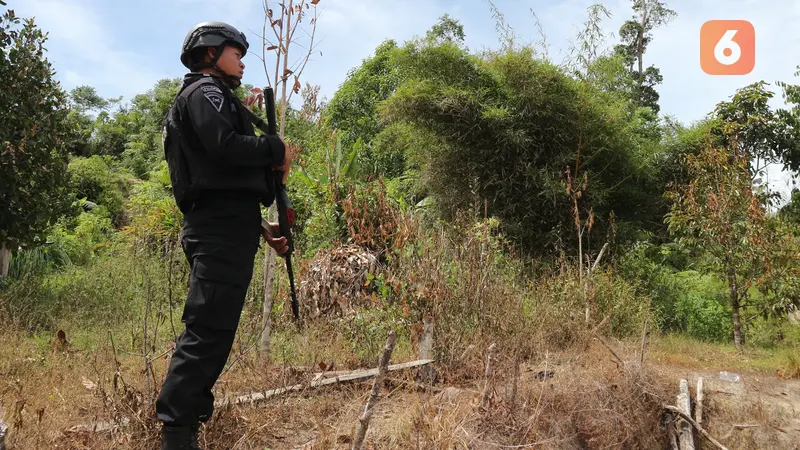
x=211, y=34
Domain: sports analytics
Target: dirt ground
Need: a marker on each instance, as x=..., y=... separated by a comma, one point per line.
x=756, y=412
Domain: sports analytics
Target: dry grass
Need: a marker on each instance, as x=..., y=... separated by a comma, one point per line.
x=589, y=402
x=555, y=385
x=689, y=353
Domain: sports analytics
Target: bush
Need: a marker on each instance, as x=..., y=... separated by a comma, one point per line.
x=773, y=332
x=93, y=179
x=702, y=307
x=503, y=131
x=682, y=300
x=109, y=292
x=155, y=220
x=85, y=236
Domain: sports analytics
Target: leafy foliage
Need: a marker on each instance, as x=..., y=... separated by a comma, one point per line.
x=508, y=129
x=719, y=214
x=93, y=180
x=33, y=135
x=636, y=34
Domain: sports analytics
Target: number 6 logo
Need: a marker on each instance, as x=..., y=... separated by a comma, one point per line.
x=727, y=47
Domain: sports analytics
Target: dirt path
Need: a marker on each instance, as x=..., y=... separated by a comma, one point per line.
x=756, y=412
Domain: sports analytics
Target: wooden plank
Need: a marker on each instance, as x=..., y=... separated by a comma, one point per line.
x=685, y=437
x=356, y=375
x=698, y=409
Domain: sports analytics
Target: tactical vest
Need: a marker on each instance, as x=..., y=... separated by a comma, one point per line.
x=191, y=170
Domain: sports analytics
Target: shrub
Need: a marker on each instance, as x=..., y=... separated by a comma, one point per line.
x=506, y=129
x=682, y=300
x=155, y=220
x=94, y=180
x=111, y=291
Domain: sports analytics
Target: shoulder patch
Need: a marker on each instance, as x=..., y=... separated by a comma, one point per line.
x=216, y=99
x=210, y=88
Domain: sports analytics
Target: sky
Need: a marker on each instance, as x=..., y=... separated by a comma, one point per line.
x=123, y=47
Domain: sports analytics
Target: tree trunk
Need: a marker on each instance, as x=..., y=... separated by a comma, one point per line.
x=737, y=324
x=269, y=278
x=640, y=44
x=5, y=259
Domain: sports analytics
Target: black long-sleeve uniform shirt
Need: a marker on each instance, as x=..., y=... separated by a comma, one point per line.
x=211, y=145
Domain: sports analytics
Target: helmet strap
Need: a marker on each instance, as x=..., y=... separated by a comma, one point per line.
x=233, y=82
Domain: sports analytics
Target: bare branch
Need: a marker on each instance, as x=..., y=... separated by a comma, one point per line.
x=297, y=21
x=263, y=44
x=310, y=49
x=383, y=368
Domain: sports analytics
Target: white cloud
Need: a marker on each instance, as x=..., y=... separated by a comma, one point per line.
x=86, y=51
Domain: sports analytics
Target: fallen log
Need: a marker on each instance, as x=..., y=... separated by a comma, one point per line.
x=356, y=375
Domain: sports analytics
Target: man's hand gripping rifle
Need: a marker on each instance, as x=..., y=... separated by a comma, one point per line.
x=285, y=209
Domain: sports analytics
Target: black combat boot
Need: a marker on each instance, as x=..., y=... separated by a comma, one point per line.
x=179, y=437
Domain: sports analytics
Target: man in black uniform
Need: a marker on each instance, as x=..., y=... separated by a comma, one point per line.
x=219, y=171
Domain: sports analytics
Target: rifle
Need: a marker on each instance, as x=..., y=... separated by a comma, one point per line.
x=286, y=215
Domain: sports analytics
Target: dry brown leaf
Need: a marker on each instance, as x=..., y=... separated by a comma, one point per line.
x=272, y=47
x=314, y=2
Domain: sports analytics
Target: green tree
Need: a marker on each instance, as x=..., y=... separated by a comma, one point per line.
x=718, y=213
x=353, y=110
x=506, y=128
x=446, y=30
x=34, y=132
x=762, y=135
x=86, y=98
x=636, y=34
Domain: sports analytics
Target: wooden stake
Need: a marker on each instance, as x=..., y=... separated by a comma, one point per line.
x=700, y=429
x=488, y=374
x=426, y=340
x=644, y=345
x=5, y=259
x=383, y=367
x=673, y=438
x=684, y=404
x=698, y=409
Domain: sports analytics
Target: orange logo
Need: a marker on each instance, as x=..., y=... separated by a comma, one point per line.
x=727, y=47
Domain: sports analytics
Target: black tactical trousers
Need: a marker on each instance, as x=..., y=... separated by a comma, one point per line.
x=220, y=240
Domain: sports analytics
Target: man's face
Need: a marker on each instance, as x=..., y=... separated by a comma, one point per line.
x=231, y=61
